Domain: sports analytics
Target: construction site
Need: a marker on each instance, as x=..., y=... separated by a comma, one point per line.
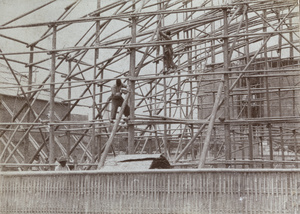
x=226, y=98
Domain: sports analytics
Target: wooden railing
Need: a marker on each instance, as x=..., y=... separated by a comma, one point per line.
x=152, y=191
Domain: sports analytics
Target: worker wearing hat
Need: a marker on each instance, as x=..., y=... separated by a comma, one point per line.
x=62, y=164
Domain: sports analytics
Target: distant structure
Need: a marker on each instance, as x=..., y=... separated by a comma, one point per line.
x=13, y=105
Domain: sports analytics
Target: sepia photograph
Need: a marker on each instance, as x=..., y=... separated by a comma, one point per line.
x=149, y=106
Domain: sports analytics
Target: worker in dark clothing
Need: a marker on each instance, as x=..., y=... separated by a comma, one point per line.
x=168, y=51
x=117, y=99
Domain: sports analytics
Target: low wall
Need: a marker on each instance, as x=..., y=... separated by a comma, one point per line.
x=153, y=191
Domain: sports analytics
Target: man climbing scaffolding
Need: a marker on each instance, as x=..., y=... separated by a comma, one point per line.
x=168, y=51
x=117, y=99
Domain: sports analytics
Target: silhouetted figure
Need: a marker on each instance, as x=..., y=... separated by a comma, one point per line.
x=168, y=51
x=117, y=99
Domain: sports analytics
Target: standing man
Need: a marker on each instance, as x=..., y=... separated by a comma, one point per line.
x=168, y=51
x=117, y=99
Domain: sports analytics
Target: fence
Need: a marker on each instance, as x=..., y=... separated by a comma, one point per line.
x=153, y=191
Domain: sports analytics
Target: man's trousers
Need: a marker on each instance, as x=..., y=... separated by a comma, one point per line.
x=116, y=102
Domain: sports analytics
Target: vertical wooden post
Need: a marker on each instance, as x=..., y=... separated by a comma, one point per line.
x=94, y=143
x=97, y=39
x=232, y=106
x=250, y=139
x=234, y=146
x=294, y=98
x=215, y=141
x=213, y=57
x=165, y=139
x=179, y=101
x=282, y=146
x=213, y=61
x=291, y=36
x=157, y=142
x=189, y=35
x=132, y=85
x=261, y=150
x=30, y=73
x=159, y=22
x=52, y=101
x=269, y=126
x=267, y=87
x=249, y=106
x=151, y=114
x=94, y=106
x=279, y=50
x=295, y=147
x=279, y=102
x=226, y=89
x=69, y=108
x=249, y=112
x=266, y=64
x=99, y=137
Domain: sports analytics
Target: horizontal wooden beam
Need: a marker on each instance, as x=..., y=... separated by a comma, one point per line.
x=118, y=16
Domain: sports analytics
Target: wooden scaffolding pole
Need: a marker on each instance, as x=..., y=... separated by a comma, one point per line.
x=30, y=108
x=132, y=85
x=27, y=13
x=282, y=146
x=266, y=83
x=226, y=88
x=113, y=133
x=211, y=126
x=94, y=106
x=165, y=139
x=295, y=146
x=52, y=100
x=99, y=138
x=68, y=148
x=253, y=36
x=249, y=97
x=27, y=141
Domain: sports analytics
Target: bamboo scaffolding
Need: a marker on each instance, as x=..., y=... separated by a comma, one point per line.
x=201, y=39
x=119, y=16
